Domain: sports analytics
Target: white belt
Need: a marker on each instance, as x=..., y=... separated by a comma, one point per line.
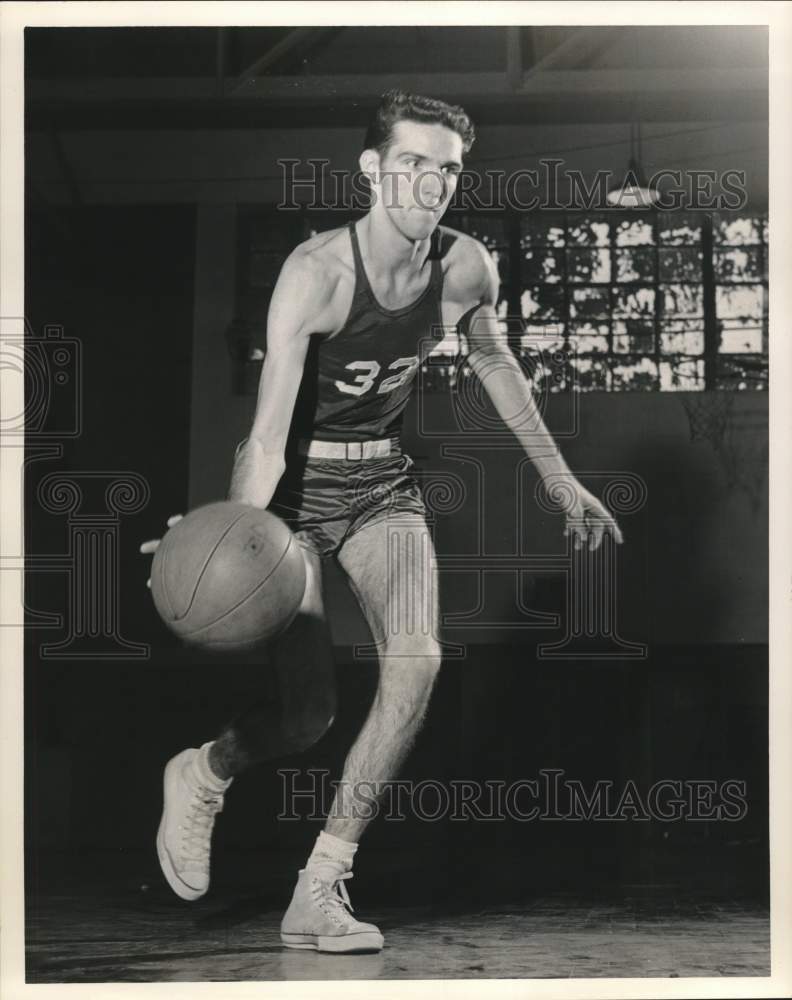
x=350, y=450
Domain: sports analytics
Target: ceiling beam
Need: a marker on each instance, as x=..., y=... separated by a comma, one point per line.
x=297, y=39
x=221, y=53
x=584, y=45
x=220, y=115
x=357, y=88
x=514, y=61
x=572, y=96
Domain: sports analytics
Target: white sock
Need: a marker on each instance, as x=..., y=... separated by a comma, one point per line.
x=204, y=772
x=332, y=853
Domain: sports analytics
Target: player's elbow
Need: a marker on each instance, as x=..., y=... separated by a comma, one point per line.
x=256, y=473
x=489, y=351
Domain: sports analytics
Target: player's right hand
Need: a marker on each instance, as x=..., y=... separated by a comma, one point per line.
x=151, y=546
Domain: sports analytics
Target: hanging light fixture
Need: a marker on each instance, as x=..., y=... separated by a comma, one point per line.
x=635, y=191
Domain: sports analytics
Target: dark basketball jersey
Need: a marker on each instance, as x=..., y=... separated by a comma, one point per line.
x=357, y=382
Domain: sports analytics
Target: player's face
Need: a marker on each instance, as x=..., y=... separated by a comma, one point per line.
x=418, y=176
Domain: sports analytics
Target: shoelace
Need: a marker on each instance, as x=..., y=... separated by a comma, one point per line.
x=333, y=896
x=199, y=821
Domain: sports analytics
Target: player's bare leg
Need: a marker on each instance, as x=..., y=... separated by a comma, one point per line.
x=195, y=780
x=303, y=659
x=391, y=569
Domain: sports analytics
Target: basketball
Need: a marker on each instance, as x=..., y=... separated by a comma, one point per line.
x=228, y=577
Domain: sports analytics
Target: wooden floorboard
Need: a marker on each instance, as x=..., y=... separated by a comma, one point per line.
x=101, y=937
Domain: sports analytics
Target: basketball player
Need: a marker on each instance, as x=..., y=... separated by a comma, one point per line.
x=354, y=312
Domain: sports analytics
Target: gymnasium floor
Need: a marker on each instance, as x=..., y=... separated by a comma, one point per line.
x=81, y=930
x=454, y=901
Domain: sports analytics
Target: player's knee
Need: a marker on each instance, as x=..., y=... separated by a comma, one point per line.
x=311, y=603
x=420, y=654
x=431, y=660
x=414, y=669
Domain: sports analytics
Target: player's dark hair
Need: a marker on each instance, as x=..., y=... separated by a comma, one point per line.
x=398, y=106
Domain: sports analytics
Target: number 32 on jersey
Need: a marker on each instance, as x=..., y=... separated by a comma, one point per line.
x=368, y=371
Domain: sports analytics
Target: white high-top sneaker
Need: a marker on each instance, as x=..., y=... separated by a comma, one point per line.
x=184, y=837
x=319, y=916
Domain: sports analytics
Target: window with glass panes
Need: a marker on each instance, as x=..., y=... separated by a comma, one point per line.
x=619, y=301
x=657, y=301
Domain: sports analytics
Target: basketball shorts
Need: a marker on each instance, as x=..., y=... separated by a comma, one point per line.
x=325, y=501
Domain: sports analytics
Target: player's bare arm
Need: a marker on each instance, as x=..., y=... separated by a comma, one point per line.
x=473, y=283
x=303, y=303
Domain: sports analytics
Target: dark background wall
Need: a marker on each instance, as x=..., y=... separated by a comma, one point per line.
x=130, y=247
x=120, y=281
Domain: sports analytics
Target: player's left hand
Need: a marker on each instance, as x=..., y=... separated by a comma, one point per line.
x=587, y=520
